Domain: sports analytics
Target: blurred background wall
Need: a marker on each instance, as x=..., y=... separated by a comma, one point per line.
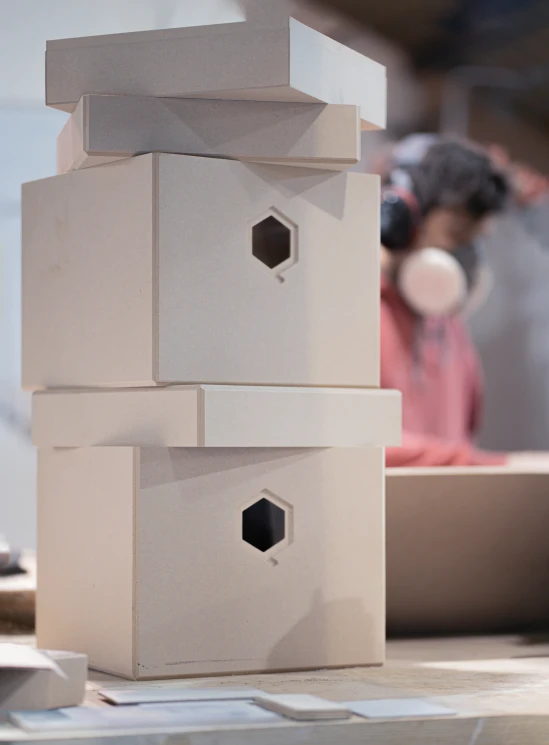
x=480, y=68
x=472, y=67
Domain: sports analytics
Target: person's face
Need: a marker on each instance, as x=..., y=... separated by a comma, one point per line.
x=448, y=228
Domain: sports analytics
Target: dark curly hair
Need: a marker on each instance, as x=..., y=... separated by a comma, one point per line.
x=452, y=174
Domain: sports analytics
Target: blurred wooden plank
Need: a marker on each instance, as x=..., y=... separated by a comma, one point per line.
x=17, y=598
x=467, y=549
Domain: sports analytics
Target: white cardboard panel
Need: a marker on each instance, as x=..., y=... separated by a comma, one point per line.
x=88, y=277
x=238, y=61
x=217, y=416
x=223, y=317
x=106, y=128
x=85, y=592
x=316, y=599
x=161, y=286
x=154, y=417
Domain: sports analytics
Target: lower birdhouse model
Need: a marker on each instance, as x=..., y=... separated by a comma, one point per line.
x=200, y=561
x=209, y=560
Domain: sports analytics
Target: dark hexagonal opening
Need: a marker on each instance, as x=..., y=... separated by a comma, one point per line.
x=271, y=242
x=263, y=525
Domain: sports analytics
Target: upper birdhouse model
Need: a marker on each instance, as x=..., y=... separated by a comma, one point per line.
x=164, y=269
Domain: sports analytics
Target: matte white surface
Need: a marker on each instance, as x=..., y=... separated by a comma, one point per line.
x=397, y=708
x=239, y=61
x=88, y=276
x=106, y=128
x=319, y=327
x=159, y=416
x=217, y=416
x=161, y=286
x=85, y=591
x=181, y=593
x=317, y=602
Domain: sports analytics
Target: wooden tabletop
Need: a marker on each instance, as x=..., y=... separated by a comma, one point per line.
x=498, y=687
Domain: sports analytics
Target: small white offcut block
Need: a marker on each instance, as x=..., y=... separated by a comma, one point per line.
x=30, y=689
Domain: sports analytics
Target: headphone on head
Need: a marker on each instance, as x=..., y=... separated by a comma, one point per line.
x=401, y=211
x=401, y=214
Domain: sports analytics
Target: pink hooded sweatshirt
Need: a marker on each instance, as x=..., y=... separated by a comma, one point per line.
x=435, y=366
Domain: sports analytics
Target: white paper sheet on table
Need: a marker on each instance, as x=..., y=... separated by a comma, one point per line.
x=202, y=713
x=180, y=716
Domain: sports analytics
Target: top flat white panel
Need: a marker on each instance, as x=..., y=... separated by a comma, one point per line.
x=238, y=61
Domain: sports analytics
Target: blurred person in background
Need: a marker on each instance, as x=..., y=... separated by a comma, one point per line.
x=438, y=199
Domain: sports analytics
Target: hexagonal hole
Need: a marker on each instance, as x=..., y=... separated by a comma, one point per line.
x=273, y=240
x=263, y=525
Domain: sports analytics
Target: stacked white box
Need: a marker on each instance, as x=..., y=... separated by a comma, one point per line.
x=107, y=128
x=163, y=288
x=201, y=330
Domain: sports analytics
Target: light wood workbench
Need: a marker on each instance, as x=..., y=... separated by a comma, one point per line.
x=499, y=688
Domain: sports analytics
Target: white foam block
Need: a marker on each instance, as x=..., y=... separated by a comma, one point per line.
x=286, y=61
x=28, y=688
x=107, y=128
x=217, y=416
x=302, y=706
x=206, y=271
x=212, y=561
